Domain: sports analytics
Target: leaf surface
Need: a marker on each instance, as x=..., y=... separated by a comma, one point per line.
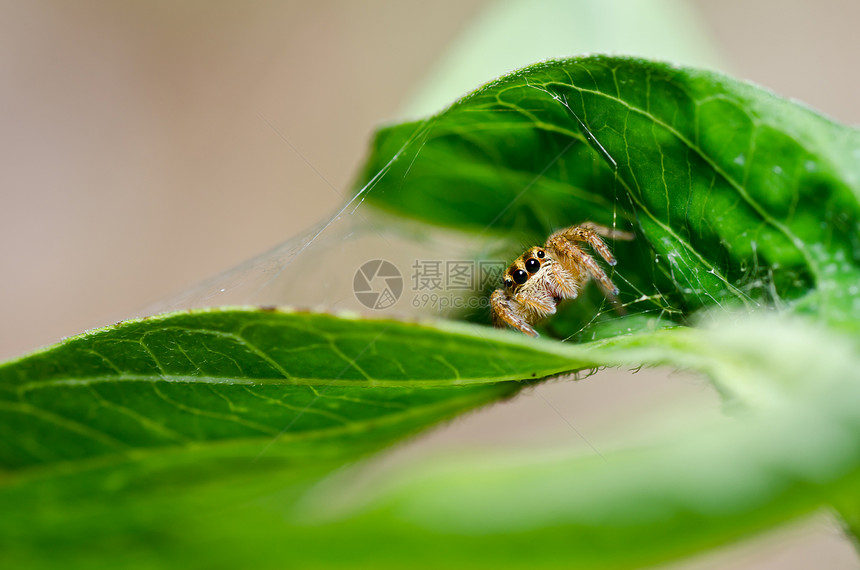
x=239, y=376
x=738, y=197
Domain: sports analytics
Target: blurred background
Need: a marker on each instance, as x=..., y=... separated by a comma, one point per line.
x=147, y=146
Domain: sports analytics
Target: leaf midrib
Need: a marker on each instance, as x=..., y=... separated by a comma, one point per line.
x=292, y=381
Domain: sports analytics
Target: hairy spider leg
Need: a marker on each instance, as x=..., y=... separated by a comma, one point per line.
x=565, y=283
x=539, y=307
x=506, y=310
x=572, y=257
x=606, y=232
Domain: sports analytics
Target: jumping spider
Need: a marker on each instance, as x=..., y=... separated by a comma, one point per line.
x=541, y=277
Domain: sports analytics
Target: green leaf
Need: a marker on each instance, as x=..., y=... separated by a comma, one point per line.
x=737, y=196
x=206, y=438
x=193, y=413
x=245, y=378
x=236, y=486
x=172, y=427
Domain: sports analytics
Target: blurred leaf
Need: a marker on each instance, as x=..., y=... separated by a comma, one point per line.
x=792, y=451
x=512, y=34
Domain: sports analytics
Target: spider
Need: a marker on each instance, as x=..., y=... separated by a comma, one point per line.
x=541, y=277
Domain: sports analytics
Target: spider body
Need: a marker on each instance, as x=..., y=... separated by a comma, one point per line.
x=538, y=280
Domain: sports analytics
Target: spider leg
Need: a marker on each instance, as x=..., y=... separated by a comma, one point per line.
x=574, y=259
x=540, y=305
x=564, y=284
x=590, y=233
x=508, y=311
x=610, y=233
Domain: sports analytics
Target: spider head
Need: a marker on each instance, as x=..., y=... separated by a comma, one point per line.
x=523, y=268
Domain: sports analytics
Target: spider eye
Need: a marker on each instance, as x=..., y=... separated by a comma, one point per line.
x=508, y=283
x=540, y=253
x=532, y=265
x=520, y=276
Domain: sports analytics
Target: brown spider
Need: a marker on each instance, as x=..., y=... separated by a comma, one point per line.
x=541, y=277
